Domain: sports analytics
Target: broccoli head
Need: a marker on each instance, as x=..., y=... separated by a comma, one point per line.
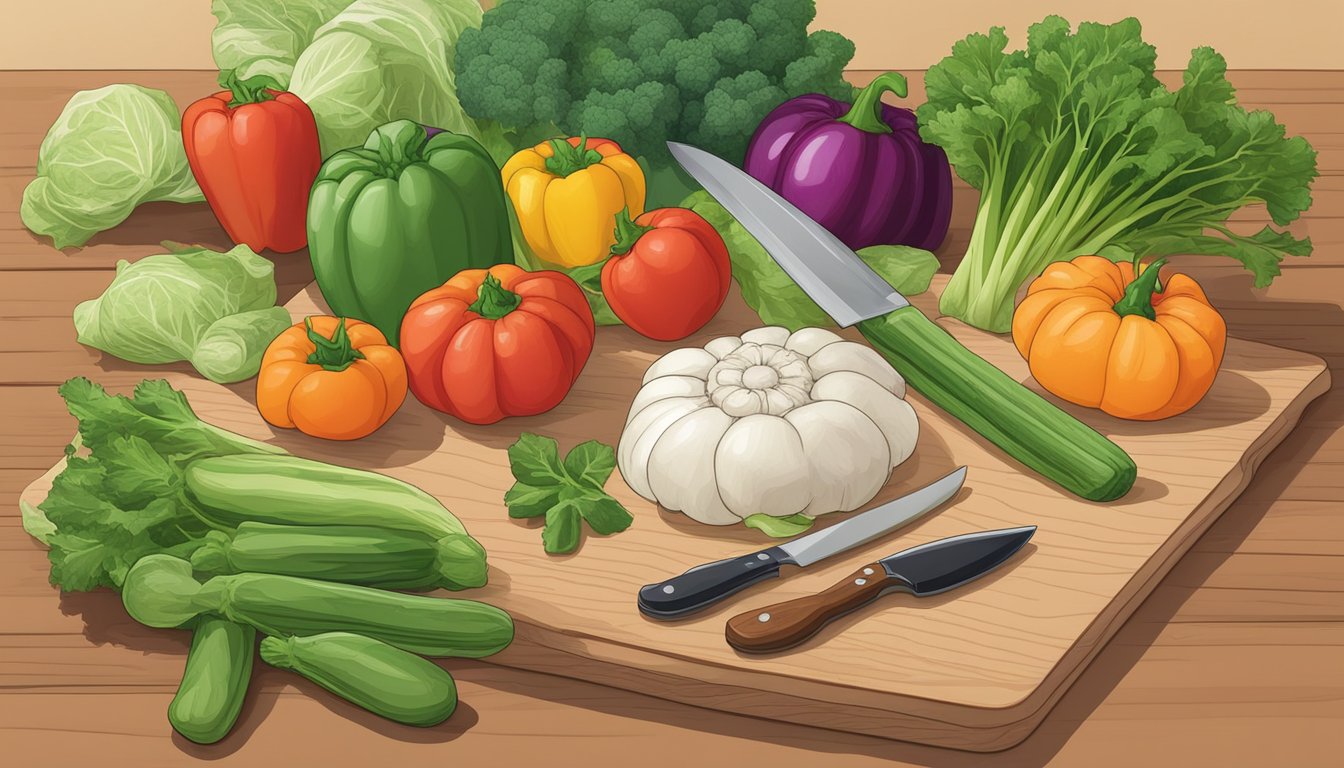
x=644, y=72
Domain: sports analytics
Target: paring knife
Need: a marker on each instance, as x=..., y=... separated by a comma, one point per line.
x=922, y=571
x=935, y=364
x=707, y=584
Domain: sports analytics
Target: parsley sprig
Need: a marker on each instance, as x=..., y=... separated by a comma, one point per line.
x=564, y=492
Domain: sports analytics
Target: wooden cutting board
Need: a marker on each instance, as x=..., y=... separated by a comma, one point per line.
x=976, y=669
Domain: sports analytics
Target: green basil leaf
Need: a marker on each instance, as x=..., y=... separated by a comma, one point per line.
x=561, y=534
x=605, y=515
x=590, y=464
x=535, y=460
x=526, y=500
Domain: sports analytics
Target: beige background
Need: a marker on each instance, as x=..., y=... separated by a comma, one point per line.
x=1277, y=34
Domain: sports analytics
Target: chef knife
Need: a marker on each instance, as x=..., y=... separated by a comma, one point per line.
x=707, y=584
x=922, y=571
x=935, y=364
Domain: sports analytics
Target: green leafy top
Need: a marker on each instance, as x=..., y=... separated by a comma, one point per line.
x=119, y=497
x=1075, y=145
x=564, y=492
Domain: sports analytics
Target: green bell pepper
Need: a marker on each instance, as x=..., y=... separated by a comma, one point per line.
x=399, y=216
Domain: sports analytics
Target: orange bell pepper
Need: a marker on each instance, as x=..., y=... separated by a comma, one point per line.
x=1096, y=334
x=332, y=378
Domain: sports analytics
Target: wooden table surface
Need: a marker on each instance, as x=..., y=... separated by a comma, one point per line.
x=1236, y=659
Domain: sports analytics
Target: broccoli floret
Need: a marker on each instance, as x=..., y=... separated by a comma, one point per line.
x=644, y=72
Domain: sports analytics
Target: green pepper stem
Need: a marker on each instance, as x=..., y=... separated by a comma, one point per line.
x=493, y=301
x=253, y=90
x=627, y=233
x=334, y=354
x=398, y=144
x=567, y=158
x=866, y=113
x=1138, y=298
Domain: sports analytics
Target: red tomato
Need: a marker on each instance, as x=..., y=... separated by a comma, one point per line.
x=494, y=343
x=668, y=273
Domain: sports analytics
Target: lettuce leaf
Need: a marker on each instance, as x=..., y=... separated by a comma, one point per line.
x=215, y=309
x=772, y=293
x=110, y=150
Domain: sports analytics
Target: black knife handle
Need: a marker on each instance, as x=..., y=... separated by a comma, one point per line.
x=707, y=584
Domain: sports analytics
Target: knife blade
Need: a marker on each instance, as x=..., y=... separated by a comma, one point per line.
x=927, y=569
x=936, y=365
x=707, y=584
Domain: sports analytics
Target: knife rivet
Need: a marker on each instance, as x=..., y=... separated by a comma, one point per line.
x=669, y=589
x=762, y=556
x=860, y=582
x=764, y=617
x=867, y=571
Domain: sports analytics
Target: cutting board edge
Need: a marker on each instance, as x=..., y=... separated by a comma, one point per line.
x=943, y=723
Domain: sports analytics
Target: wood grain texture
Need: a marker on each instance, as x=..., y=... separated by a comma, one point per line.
x=987, y=660
x=1232, y=660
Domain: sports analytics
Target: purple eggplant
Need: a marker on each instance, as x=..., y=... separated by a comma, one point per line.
x=861, y=171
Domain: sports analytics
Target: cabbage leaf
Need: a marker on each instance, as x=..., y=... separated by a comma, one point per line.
x=356, y=64
x=110, y=150
x=214, y=309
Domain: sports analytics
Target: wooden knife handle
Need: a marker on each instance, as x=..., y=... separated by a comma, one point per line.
x=783, y=625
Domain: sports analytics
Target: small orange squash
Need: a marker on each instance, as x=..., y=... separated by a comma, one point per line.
x=330, y=377
x=1097, y=335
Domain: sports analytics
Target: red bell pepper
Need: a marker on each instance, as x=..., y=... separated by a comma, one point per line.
x=254, y=151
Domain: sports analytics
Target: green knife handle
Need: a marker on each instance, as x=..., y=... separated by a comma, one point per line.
x=1022, y=423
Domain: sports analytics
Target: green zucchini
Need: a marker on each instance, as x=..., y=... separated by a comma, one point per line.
x=369, y=673
x=1025, y=425
x=160, y=591
x=287, y=490
x=353, y=554
x=219, y=666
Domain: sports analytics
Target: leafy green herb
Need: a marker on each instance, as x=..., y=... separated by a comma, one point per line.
x=1075, y=145
x=119, y=497
x=778, y=527
x=564, y=492
x=773, y=294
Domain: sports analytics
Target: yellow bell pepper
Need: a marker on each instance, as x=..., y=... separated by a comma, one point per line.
x=567, y=193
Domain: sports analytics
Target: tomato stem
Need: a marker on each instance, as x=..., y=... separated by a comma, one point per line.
x=334, y=354
x=493, y=300
x=627, y=233
x=253, y=90
x=568, y=158
x=1138, y=298
x=866, y=113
